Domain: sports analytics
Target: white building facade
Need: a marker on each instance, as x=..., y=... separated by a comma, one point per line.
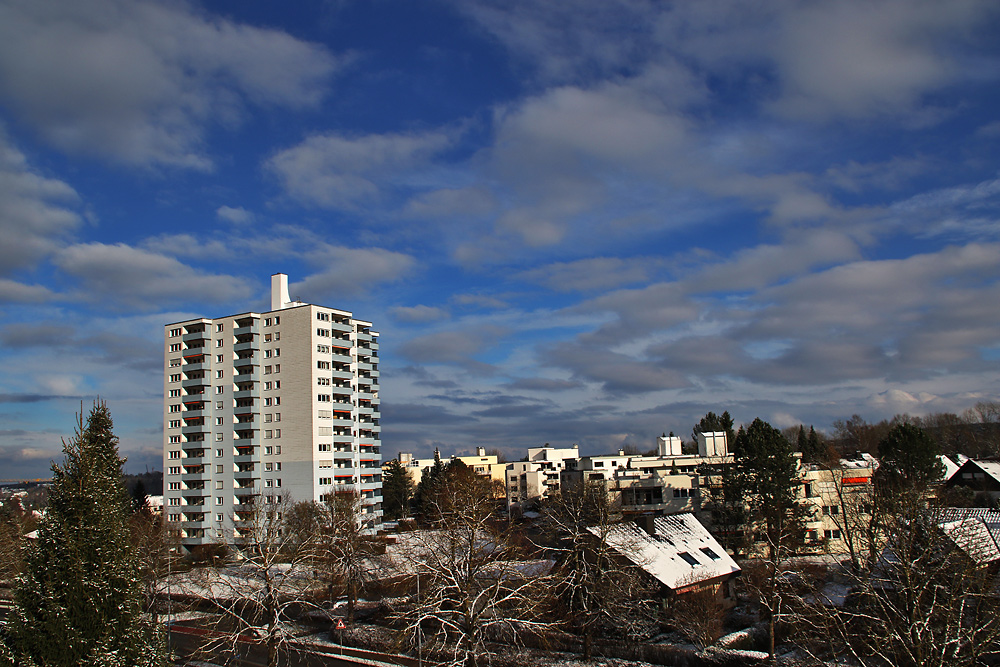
x=260, y=405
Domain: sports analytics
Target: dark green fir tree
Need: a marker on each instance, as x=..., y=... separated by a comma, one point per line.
x=79, y=599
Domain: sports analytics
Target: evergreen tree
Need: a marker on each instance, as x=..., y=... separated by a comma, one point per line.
x=712, y=422
x=79, y=599
x=909, y=462
x=397, y=489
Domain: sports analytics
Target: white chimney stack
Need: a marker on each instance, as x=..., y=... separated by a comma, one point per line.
x=279, y=291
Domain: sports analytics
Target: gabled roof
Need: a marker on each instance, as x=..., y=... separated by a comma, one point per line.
x=681, y=552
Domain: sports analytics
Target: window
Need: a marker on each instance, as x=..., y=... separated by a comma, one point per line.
x=267, y=321
x=277, y=433
x=218, y=484
x=325, y=463
x=218, y=469
x=268, y=483
x=831, y=510
x=174, y=363
x=219, y=358
x=175, y=408
x=175, y=517
x=277, y=416
x=175, y=347
x=175, y=332
x=268, y=434
x=277, y=400
x=267, y=418
x=323, y=382
x=689, y=559
x=175, y=393
x=218, y=500
x=277, y=384
x=267, y=402
x=175, y=423
x=267, y=370
x=711, y=554
x=175, y=486
x=277, y=320
x=277, y=368
x=175, y=378
x=268, y=467
x=220, y=374
x=218, y=405
x=267, y=451
x=277, y=450
x=175, y=502
x=323, y=398
x=174, y=470
x=175, y=454
x=832, y=534
x=175, y=439
x=218, y=517
x=267, y=386
x=277, y=335
x=220, y=389
x=277, y=351
x=324, y=447
x=219, y=328
x=218, y=437
x=267, y=338
x=218, y=421
x=323, y=365
x=277, y=466
x=267, y=354
x=325, y=481
x=218, y=343
x=219, y=452
x=685, y=493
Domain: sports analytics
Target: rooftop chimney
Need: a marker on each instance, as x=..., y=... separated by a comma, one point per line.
x=279, y=291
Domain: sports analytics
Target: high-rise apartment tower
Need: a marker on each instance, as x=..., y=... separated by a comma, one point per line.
x=258, y=405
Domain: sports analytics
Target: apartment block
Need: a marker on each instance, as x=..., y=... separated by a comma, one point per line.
x=260, y=405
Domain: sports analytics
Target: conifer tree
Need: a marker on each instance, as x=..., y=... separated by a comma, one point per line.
x=79, y=599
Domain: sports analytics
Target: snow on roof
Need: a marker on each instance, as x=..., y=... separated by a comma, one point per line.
x=950, y=467
x=973, y=537
x=991, y=468
x=680, y=553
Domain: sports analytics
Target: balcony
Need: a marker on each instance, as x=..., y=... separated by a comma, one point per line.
x=245, y=393
x=243, y=347
x=338, y=326
x=195, y=382
x=196, y=429
x=251, y=329
x=362, y=336
x=195, y=336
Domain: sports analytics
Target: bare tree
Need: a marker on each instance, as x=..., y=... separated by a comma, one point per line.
x=860, y=517
x=699, y=614
x=928, y=601
x=594, y=585
x=349, y=555
x=268, y=585
x=473, y=583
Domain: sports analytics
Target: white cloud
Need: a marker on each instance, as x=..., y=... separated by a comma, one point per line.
x=419, y=314
x=236, y=215
x=35, y=218
x=594, y=273
x=138, y=80
x=121, y=276
x=349, y=271
x=334, y=171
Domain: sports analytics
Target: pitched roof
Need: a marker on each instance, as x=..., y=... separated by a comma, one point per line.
x=681, y=552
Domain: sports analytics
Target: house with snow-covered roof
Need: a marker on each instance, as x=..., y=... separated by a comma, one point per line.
x=678, y=552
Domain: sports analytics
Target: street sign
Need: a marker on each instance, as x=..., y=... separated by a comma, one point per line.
x=340, y=624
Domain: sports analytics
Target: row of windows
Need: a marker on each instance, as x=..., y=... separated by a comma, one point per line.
x=268, y=321
x=276, y=352
x=267, y=369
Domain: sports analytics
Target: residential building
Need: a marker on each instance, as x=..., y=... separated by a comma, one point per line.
x=258, y=405
x=531, y=480
x=678, y=552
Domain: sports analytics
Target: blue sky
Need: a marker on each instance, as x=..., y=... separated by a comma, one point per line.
x=589, y=221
